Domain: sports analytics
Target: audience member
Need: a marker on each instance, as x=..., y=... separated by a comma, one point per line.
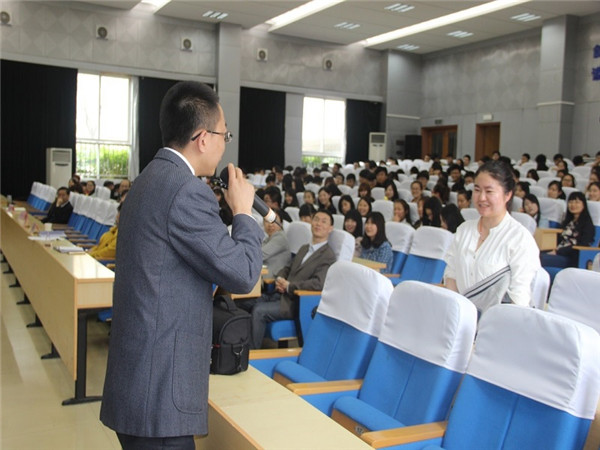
x=593, y=192
x=381, y=175
x=307, y=271
x=325, y=201
x=345, y=204
x=90, y=188
x=61, y=209
x=107, y=244
x=441, y=192
x=531, y=206
x=578, y=229
x=423, y=178
x=432, y=210
x=568, y=180
x=75, y=186
x=364, y=206
x=532, y=173
x=416, y=189
x=306, y=212
x=290, y=198
x=224, y=210
x=451, y=218
x=555, y=190
x=364, y=191
x=353, y=224
x=351, y=180
x=375, y=246
x=463, y=199
x=495, y=245
x=391, y=191
x=124, y=185
x=309, y=197
x=541, y=162
x=521, y=189
x=401, y=212
x=275, y=248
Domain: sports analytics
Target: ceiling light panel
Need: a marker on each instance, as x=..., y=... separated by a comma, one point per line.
x=460, y=34
x=302, y=11
x=217, y=15
x=347, y=26
x=408, y=47
x=525, y=17
x=399, y=8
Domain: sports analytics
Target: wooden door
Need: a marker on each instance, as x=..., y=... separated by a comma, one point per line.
x=439, y=141
x=487, y=139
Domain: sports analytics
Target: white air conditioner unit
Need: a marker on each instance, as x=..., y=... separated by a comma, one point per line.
x=377, y=146
x=58, y=166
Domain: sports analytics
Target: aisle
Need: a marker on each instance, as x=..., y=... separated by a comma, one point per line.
x=32, y=389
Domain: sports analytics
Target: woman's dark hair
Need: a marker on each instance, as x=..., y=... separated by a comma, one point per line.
x=354, y=215
x=443, y=191
x=556, y=183
x=299, y=184
x=533, y=199
x=406, y=208
x=394, y=188
x=380, y=238
x=434, y=204
x=452, y=216
x=423, y=174
x=584, y=217
x=286, y=182
x=503, y=174
x=319, y=201
x=532, y=173
x=364, y=187
x=306, y=210
x=541, y=162
x=346, y=198
x=524, y=186
x=292, y=193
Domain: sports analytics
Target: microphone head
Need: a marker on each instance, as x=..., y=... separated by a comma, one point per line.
x=224, y=175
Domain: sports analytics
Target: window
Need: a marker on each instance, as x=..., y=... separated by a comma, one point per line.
x=104, y=126
x=323, y=131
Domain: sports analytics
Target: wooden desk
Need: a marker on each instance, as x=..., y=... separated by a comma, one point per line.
x=546, y=237
x=375, y=265
x=63, y=290
x=250, y=410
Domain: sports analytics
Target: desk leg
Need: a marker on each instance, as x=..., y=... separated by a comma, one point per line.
x=25, y=300
x=53, y=353
x=80, y=382
x=36, y=323
x=15, y=284
x=9, y=270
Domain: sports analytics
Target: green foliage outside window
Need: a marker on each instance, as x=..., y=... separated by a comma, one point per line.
x=102, y=160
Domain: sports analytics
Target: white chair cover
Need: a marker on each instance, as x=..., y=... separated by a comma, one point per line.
x=470, y=213
x=378, y=193
x=540, y=286
x=405, y=195
x=512, y=351
x=298, y=234
x=103, y=193
x=453, y=198
x=596, y=263
x=416, y=307
x=99, y=209
x=338, y=221
x=385, y=207
x=551, y=209
x=344, y=189
x=526, y=220
x=293, y=212
x=517, y=204
x=312, y=187
x=300, y=197
x=544, y=182
x=86, y=206
x=356, y=295
x=526, y=167
x=575, y=295
x=342, y=243
x=400, y=236
x=431, y=242
x=414, y=212
x=48, y=193
x=539, y=192
x=569, y=190
x=545, y=174
x=75, y=201
x=530, y=181
x=594, y=209
x=110, y=216
x=582, y=170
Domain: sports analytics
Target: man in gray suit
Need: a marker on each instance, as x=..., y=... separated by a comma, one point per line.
x=307, y=271
x=173, y=247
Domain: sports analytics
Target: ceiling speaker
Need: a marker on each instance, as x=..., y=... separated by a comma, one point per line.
x=262, y=54
x=4, y=18
x=101, y=32
x=186, y=45
x=327, y=64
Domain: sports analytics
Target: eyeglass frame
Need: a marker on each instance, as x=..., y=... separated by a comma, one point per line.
x=227, y=135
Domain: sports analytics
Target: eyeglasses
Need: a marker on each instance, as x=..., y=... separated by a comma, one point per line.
x=227, y=135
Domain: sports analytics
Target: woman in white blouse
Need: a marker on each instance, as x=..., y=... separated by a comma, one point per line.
x=495, y=252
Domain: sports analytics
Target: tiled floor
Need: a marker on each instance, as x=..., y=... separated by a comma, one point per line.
x=32, y=389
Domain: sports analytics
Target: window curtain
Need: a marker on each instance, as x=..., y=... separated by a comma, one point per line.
x=38, y=111
x=362, y=118
x=262, y=129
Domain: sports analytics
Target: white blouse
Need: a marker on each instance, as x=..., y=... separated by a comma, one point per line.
x=509, y=243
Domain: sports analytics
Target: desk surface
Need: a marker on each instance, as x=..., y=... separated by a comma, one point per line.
x=250, y=410
x=56, y=284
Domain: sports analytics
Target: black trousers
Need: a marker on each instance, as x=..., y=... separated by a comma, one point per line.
x=129, y=442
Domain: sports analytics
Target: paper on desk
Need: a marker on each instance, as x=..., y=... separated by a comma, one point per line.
x=48, y=236
x=69, y=249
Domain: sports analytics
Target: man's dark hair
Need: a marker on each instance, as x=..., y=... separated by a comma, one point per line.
x=306, y=210
x=63, y=188
x=271, y=178
x=187, y=106
x=351, y=176
x=380, y=169
x=274, y=193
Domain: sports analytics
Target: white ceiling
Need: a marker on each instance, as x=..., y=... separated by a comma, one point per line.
x=374, y=19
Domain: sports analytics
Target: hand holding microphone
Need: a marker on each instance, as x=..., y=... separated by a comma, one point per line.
x=240, y=195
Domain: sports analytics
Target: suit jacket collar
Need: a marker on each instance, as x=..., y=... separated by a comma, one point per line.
x=163, y=153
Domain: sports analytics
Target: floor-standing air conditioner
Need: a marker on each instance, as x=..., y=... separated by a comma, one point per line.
x=58, y=166
x=377, y=146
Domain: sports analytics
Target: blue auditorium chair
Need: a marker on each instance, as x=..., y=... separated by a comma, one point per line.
x=400, y=236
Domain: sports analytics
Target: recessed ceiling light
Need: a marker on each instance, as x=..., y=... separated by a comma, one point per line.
x=399, y=7
x=460, y=34
x=459, y=16
x=155, y=5
x=302, y=11
x=408, y=47
x=525, y=17
x=347, y=26
x=215, y=15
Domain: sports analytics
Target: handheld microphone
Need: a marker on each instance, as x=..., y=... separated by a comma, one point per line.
x=259, y=205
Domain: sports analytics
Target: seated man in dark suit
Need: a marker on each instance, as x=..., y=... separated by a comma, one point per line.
x=60, y=211
x=307, y=271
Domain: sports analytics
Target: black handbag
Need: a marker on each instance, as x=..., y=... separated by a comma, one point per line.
x=231, y=337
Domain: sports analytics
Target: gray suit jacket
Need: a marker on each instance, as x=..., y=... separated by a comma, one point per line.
x=308, y=276
x=172, y=248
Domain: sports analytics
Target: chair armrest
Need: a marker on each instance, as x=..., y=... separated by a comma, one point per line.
x=111, y=266
x=391, y=275
x=323, y=387
x=268, y=280
x=581, y=247
x=83, y=244
x=270, y=353
x=375, y=265
x=300, y=292
x=404, y=435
